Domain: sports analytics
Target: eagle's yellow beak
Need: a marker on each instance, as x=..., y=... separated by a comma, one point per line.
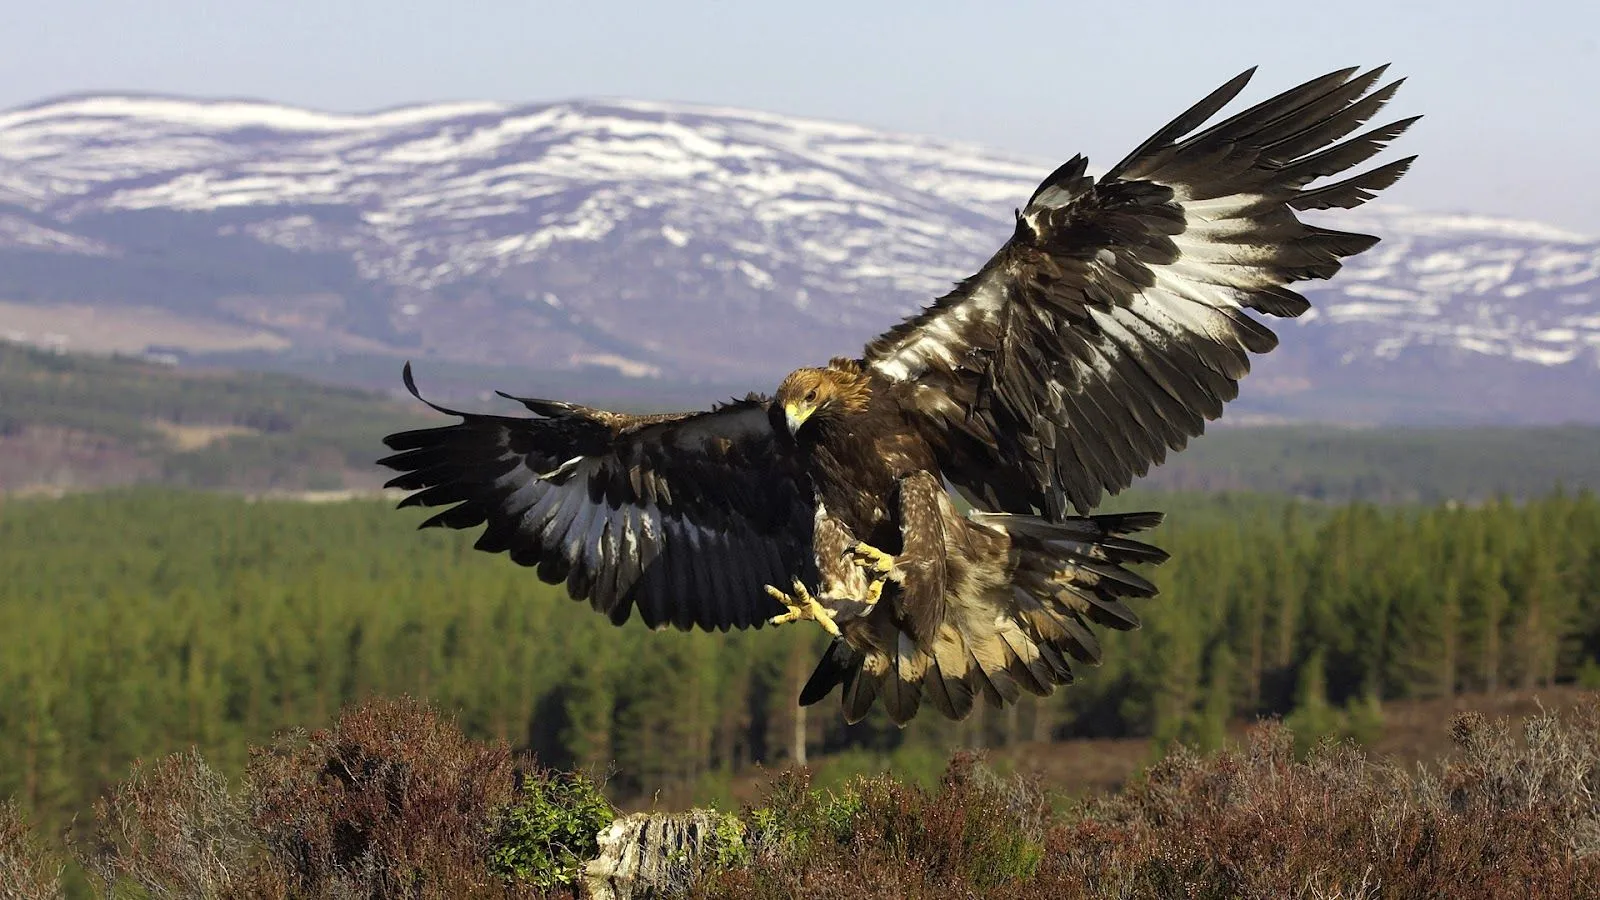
x=796, y=413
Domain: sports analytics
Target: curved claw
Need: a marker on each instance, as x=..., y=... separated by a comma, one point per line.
x=872, y=559
x=802, y=605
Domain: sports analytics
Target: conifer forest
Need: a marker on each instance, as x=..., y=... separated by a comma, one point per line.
x=144, y=622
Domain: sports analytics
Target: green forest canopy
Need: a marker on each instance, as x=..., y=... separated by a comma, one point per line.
x=136, y=623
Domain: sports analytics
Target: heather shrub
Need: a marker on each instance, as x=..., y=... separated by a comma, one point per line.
x=878, y=836
x=392, y=801
x=27, y=870
x=1551, y=770
x=799, y=819
x=1511, y=814
x=1256, y=822
x=547, y=832
x=173, y=829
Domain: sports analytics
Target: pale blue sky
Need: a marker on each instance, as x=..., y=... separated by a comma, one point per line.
x=1511, y=89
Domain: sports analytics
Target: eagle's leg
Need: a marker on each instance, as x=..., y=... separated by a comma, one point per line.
x=802, y=605
x=878, y=563
x=919, y=569
x=879, y=567
x=874, y=592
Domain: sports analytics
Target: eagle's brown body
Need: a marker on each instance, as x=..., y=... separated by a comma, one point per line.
x=858, y=446
x=1110, y=327
x=946, y=623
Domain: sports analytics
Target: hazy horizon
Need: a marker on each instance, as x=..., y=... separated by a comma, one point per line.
x=1505, y=98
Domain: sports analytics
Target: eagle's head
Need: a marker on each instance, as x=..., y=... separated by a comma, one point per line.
x=807, y=395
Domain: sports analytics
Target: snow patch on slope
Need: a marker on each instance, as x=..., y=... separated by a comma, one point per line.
x=750, y=213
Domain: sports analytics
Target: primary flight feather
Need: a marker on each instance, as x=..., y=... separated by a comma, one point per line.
x=1111, y=326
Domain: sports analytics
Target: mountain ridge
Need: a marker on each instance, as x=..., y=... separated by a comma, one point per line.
x=683, y=241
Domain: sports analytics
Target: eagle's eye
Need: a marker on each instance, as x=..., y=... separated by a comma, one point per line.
x=811, y=395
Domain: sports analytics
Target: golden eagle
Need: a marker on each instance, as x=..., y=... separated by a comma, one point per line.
x=1104, y=333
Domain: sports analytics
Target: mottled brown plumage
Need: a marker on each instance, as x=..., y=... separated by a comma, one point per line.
x=1111, y=326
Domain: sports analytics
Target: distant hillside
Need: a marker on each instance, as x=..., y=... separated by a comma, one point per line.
x=70, y=422
x=1388, y=465
x=684, y=242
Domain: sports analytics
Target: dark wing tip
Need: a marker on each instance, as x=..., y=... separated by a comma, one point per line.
x=411, y=382
x=1186, y=121
x=1355, y=190
x=1401, y=125
x=411, y=385
x=1237, y=83
x=550, y=409
x=1069, y=171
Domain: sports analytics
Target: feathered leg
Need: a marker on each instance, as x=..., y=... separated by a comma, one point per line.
x=847, y=587
x=919, y=570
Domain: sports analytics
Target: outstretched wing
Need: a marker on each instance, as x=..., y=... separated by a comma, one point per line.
x=684, y=516
x=1112, y=325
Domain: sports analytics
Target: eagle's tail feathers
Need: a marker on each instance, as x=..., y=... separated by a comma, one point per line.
x=1026, y=663
x=997, y=684
x=837, y=666
x=1068, y=574
x=1020, y=637
x=951, y=695
x=860, y=690
x=901, y=685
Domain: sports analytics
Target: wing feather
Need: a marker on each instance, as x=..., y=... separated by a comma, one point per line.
x=665, y=514
x=1114, y=323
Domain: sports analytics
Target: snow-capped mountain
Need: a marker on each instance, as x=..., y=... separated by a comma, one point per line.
x=684, y=241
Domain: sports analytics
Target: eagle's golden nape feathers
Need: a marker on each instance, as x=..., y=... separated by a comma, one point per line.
x=839, y=389
x=1114, y=324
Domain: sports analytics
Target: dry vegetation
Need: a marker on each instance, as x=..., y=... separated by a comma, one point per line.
x=1512, y=814
x=394, y=802
x=27, y=872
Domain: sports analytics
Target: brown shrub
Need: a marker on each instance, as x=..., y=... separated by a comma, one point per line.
x=173, y=829
x=1552, y=772
x=878, y=837
x=1508, y=817
x=1254, y=822
x=27, y=871
x=392, y=802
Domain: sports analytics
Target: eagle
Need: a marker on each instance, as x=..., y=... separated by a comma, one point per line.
x=1111, y=326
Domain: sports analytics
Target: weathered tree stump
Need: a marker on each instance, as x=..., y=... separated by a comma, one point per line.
x=650, y=855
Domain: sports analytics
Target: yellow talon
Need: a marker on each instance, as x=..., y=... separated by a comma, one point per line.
x=869, y=557
x=874, y=592
x=801, y=606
